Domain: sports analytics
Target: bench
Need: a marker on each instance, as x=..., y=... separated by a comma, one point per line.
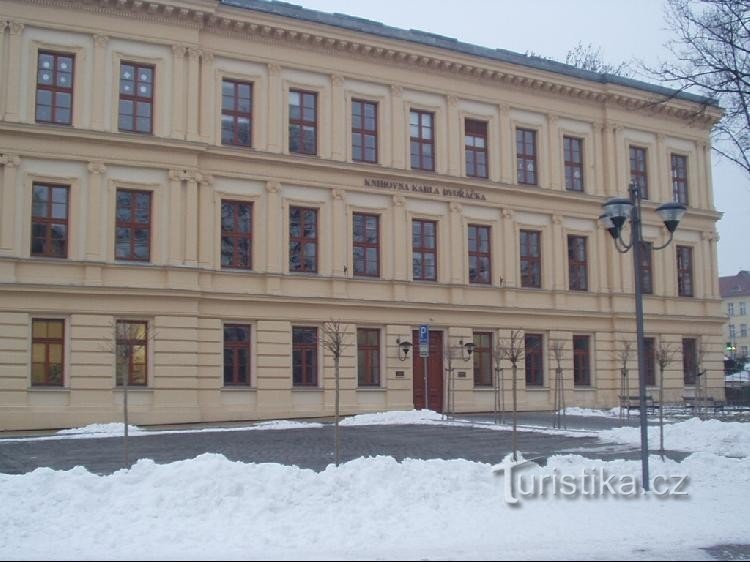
x=709, y=402
x=633, y=402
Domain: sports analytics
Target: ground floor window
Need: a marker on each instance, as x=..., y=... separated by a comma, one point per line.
x=534, y=357
x=305, y=356
x=236, y=355
x=132, y=352
x=581, y=361
x=482, y=358
x=368, y=357
x=47, y=351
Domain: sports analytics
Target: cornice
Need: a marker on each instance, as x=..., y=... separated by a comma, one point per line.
x=219, y=19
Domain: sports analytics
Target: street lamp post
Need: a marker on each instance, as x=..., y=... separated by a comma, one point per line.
x=616, y=212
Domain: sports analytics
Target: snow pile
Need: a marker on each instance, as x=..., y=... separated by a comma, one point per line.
x=586, y=412
x=693, y=435
x=280, y=424
x=368, y=508
x=411, y=417
x=102, y=429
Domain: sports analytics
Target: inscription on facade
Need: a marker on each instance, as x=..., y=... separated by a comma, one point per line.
x=425, y=189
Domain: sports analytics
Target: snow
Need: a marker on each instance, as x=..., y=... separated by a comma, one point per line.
x=106, y=429
x=213, y=508
x=411, y=417
x=586, y=412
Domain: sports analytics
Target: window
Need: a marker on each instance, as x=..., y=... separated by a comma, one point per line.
x=303, y=122
x=136, y=98
x=480, y=258
x=743, y=308
x=638, y=172
x=49, y=220
x=743, y=330
x=731, y=308
x=132, y=351
x=649, y=351
x=424, y=250
x=47, y=352
x=573, y=156
x=366, y=245
x=647, y=277
x=236, y=235
x=54, y=88
x=236, y=355
x=679, y=179
x=303, y=240
x=531, y=259
x=364, y=131
x=305, y=356
x=743, y=350
x=684, y=271
x=581, y=361
x=732, y=331
x=421, y=126
x=577, y=264
x=526, y=156
x=689, y=360
x=368, y=357
x=236, y=113
x=476, y=148
x=482, y=358
x=133, y=225
x=534, y=357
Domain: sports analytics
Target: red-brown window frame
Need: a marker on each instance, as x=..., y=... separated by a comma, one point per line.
x=649, y=361
x=647, y=268
x=363, y=132
x=474, y=128
x=235, y=235
x=578, y=270
x=370, y=370
x=423, y=250
x=685, y=271
x=526, y=138
x=483, y=350
x=302, y=239
x=689, y=360
x=236, y=114
x=534, y=359
x=131, y=343
x=572, y=165
x=421, y=141
x=680, y=178
x=533, y=277
x=477, y=254
x=581, y=360
x=309, y=373
x=302, y=123
x=133, y=225
x=47, y=342
x=54, y=88
x=136, y=98
x=235, y=347
x=639, y=168
x=362, y=272
x=48, y=221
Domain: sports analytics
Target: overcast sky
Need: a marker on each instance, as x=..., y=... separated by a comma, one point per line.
x=624, y=29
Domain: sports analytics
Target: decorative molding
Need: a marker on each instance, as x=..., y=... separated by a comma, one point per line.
x=557, y=219
x=97, y=167
x=399, y=200
x=194, y=53
x=208, y=57
x=100, y=40
x=16, y=27
x=176, y=175
x=204, y=179
x=337, y=81
x=456, y=208
x=452, y=102
x=339, y=195
x=273, y=187
x=3, y=25
x=508, y=214
x=10, y=160
x=274, y=70
x=179, y=50
x=397, y=91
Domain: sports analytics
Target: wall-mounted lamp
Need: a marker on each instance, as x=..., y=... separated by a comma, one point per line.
x=403, y=349
x=466, y=349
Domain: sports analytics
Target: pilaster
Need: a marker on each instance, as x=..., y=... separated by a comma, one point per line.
x=94, y=231
x=10, y=163
x=98, y=119
x=13, y=74
x=178, y=91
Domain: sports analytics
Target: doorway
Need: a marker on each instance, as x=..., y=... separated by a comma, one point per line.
x=434, y=373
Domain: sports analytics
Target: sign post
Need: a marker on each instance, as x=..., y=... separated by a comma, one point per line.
x=424, y=353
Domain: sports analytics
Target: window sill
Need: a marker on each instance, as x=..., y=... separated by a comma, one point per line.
x=582, y=388
x=238, y=389
x=307, y=389
x=485, y=388
x=133, y=389
x=538, y=389
x=371, y=389
x=48, y=389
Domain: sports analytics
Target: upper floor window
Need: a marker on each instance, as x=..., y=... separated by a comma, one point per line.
x=743, y=330
x=303, y=239
x=526, y=156
x=132, y=352
x=364, y=131
x=480, y=258
x=236, y=113
x=482, y=358
x=732, y=331
x=581, y=361
x=366, y=245
x=689, y=360
x=743, y=308
x=236, y=355
x=424, y=250
x=236, y=235
x=422, y=131
x=54, y=88
x=647, y=274
x=47, y=351
x=133, y=225
x=49, y=220
x=136, y=98
x=577, y=264
x=730, y=307
x=476, y=148
x=534, y=359
x=684, y=271
x=638, y=171
x=649, y=350
x=679, y=179
x=368, y=357
x=531, y=259
x=303, y=122
x=304, y=356
x=573, y=156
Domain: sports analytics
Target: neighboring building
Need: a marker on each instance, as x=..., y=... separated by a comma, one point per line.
x=735, y=293
x=191, y=188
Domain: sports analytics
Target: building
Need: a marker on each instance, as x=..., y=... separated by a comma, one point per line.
x=735, y=292
x=192, y=188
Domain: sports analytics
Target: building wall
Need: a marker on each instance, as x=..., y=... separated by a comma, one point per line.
x=737, y=318
x=186, y=296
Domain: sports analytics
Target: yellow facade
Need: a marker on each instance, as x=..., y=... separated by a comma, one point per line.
x=185, y=295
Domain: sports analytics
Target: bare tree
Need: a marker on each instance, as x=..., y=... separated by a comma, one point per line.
x=335, y=341
x=513, y=349
x=589, y=58
x=711, y=56
x=623, y=356
x=558, y=351
x=665, y=355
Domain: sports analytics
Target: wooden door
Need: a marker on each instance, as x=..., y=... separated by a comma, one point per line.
x=434, y=373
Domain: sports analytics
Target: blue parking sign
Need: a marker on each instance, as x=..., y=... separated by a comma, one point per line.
x=424, y=340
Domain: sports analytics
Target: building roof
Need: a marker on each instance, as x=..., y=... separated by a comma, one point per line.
x=371, y=27
x=735, y=285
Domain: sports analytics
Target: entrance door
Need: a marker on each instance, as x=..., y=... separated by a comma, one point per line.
x=434, y=373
